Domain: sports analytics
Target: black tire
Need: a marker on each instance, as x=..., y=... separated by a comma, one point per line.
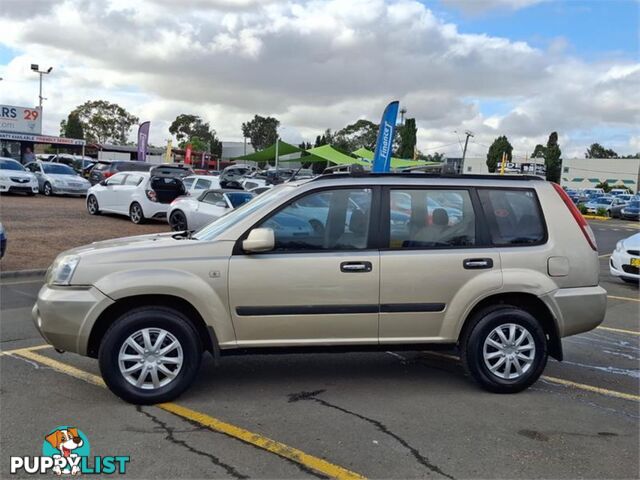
x=128, y=324
x=92, y=205
x=472, y=345
x=136, y=214
x=178, y=221
x=47, y=190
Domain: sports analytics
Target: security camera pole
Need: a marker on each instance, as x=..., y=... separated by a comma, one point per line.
x=36, y=68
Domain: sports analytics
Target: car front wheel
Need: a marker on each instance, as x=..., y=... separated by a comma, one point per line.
x=136, y=214
x=505, y=349
x=92, y=205
x=150, y=355
x=47, y=189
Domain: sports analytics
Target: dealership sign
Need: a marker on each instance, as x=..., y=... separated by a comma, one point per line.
x=23, y=137
x=20, y=119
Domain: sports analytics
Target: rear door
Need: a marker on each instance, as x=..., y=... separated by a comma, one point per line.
x=320, y=285
x=433, y=256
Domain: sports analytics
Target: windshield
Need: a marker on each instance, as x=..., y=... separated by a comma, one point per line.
x=11, y=165
x=603, y=201
x=218, y=226
x=634, y=205
x=57, y=169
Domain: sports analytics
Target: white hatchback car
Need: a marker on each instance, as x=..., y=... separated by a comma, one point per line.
x=139, y=195
x=193, y=213
x=625, y=259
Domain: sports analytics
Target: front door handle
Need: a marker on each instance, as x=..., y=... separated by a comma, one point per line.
x=355, y=267
x=477, y=263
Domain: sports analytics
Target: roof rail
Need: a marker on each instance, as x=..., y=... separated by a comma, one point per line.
x=359, y=174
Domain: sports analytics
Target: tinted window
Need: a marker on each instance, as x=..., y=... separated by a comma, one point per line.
x=116, y=179
x=239, y=198
x=57, y=168
x=133, y=180
x=188, y=182
x=327, y=220
x=513, y=215
x=213, y=198
x=424, y=218
x=132, y=167
x=10, y=165
x=202, y=184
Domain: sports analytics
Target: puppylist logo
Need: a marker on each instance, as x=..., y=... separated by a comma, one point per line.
x=66, y=451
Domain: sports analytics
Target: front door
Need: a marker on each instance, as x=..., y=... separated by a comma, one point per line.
x=320, y=285
x=431, y=257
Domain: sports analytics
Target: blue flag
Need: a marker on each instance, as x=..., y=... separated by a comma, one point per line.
x=384, y=143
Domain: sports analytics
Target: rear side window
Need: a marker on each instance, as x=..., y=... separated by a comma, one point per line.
x=133, y=180
x=514, y=216
x=132, y=167
x=202, y=184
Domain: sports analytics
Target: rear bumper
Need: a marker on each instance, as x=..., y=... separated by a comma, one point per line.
x=578, y=309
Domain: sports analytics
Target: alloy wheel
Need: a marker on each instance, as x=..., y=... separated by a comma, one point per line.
x=150, y=358
x=93, y=205
x=178, y=221
x=136, y=213
x=509, y=351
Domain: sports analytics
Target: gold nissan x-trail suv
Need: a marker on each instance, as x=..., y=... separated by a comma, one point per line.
x=500, y=267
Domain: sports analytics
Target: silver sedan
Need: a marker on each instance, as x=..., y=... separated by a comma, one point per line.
x=193, y=213
x=58, y=179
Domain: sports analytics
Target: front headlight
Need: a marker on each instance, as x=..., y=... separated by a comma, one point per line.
x=4, y=178
x=62, y=270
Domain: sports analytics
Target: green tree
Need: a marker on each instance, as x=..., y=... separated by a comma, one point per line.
x=362, y=133
x=598, y=151
x=494, y=156
x=104, y=122
x=553, y=158
x=408, y=136
x=191, y=129
x=604, y=186
x=72, y=127
x=538, y=152
x=261, y=131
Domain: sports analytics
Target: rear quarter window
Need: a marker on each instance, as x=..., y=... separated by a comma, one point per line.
x=514, y=216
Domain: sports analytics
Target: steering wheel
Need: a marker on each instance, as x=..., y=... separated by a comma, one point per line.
x=317, y=226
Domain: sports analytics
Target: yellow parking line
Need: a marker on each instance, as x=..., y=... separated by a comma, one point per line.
x=255, y=439
x=26, y=349
x=566, y=383
x=618, y=330
x=630, y=299
x=604, y=256
x=591, y=388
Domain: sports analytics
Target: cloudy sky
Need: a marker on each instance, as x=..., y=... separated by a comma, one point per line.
x=517, y=67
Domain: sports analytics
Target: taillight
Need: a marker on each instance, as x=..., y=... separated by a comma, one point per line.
x=580, y=220
x=151, y=195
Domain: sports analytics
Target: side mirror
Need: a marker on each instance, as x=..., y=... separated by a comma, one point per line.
x=103, y=183
x=259, y=240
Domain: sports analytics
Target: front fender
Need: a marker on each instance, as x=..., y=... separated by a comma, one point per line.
x=209, y=297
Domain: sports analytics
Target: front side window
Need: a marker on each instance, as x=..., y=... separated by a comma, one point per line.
x=116, y=179
x=513, y=216
x=202, y=184
x=188, y=182
x=422, y=218
x=326, y=220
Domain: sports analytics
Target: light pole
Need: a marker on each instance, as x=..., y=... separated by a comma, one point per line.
x=36, y=68
x=464, y=152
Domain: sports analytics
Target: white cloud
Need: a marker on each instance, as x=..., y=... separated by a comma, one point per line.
x=314, y=64
x=477, y=6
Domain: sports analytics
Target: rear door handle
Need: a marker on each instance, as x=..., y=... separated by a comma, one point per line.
x=355, y=267
x=477, y=263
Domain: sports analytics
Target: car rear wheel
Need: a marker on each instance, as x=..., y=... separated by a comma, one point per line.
x=47, y=189
x=150, y=355
x=178, y=221
x=136, y=214
x=92, y=205
x=505, y=349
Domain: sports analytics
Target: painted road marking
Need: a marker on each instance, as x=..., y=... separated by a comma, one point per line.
x=618, y=330
x=26, y=349
x=604, y=256
x=630, y=299
x=566, y=383
x=255, y=439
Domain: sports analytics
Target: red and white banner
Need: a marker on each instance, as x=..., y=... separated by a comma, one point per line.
x=187, y=155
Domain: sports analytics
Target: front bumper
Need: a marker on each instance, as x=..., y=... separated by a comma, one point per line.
x=66, y=190
x=620, y=266
x=577, y=309
x=14, y=187
x=64, y=316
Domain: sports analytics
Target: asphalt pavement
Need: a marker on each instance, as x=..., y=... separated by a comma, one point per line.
x=378, y=415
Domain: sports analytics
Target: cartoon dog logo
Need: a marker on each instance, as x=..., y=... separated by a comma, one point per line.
x=66, y=440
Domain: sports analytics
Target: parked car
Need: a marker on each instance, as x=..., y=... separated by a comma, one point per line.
x=625, y=259
x=78, y=163
x=619, y=191
x=196, y=184
x=616, y=209
x=104, y=169
x=631, y=211
x=179, y=170
x=504, y=290
x=139, y=195
x=58, y=179
x=236, y=172
x=193, y=213
x=604, y=203
x=14, y=178
x=3, y=240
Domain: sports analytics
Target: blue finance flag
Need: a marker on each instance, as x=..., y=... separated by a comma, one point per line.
x=384, y=143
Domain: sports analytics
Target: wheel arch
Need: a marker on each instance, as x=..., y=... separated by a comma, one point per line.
x=531, y=304
x=123, y=305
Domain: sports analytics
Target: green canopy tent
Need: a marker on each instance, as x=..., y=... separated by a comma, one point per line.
x=269, y=153
x=395, y=162
x=327, y=153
